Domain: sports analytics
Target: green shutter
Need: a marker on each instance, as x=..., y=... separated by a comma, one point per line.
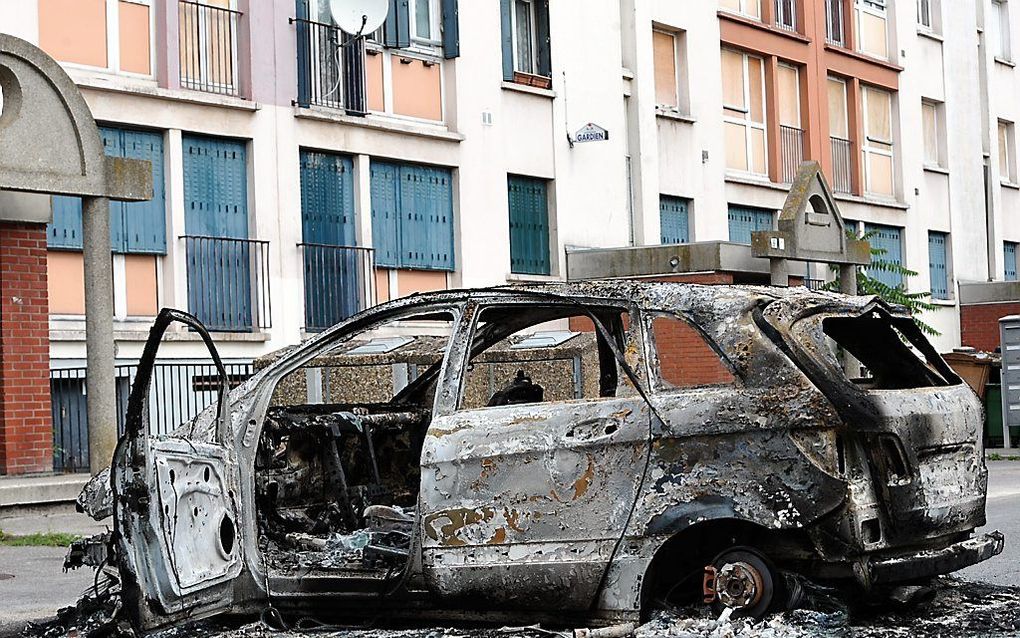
x=529, y=225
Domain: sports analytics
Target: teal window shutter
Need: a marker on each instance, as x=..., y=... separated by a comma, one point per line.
x=385, y=213
x=529, y=225
x=506, y=25
x=64, y=232
x=674, y=220
x=412, y=216
x=397, y=29
x=1009, y=249
x=451, y=29
x=327, y=199
x=215, y=187
x=889, y=240
x=543, y=38
x=937, y=265
x=744, y=220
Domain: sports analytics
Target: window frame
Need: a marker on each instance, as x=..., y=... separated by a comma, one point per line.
x=1007, y=151
x=533, y=44
x=678, y=107
x=879, y=9
x=659, y=385
x=868, y=142
x=1004, y=44
x=204, y=72
x=433, y=43
x=833, y=18
x=742, y=11
x=947, y=265
x=790, y=22
x=937, y=112
x=1006, y=246
x=746, y=121
x=112, y=43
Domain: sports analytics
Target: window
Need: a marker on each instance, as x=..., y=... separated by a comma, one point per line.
x=412, y=216
x=668, y=47
x=114, y=35
x=1007, y=152
x=932, y=124
x=425, y=28
x=786, y=14
x=834, y=22
x=1009, y=261
x=839, y=137
x=529, y=225
x=838, y=120
x=928, y=16
x=878, y=142
x=938, y=264
x=744, y=112
x=872, y=28
x=744, y=220
x=749, y=8
x=526, y=41
x=685, y=357
x=999, y=30
x=674, y=220
x=884, y=265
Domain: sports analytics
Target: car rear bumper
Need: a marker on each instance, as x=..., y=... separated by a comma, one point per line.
x=936, y=562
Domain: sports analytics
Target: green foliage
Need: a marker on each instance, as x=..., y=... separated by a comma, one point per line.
x=49, y=539
x=916, y=302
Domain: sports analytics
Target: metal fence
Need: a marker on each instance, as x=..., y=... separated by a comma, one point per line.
x=228, y=283
x=207, y=37
x=791, y=148
x=320, y=64
x=178, y=391
x=339, y=282
x=842, y=165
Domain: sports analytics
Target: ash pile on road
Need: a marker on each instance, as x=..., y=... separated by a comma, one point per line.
x=959, y=609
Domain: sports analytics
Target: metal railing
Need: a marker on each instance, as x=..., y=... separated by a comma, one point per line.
x=814, y=284
x=228, y=283
x=207, y=37
x=339, y=282
x=786, y=15
x=791, y=149
x=320, y=64
x=179, y=391
x=842, y=165
x=835, y=25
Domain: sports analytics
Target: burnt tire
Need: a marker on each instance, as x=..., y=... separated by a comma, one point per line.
x=747, y=582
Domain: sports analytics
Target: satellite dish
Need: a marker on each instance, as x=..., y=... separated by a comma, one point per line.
x=359, y=17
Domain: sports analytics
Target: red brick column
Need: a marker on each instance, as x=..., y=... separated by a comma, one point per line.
x=26, y=429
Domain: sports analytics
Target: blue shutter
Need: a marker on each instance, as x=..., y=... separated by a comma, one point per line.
x=397, y=29
x=889, y=240
x=385, y=178
x=507, y=39
x=143, y=227
x=744, y=220
x=64, y=231
x=529, y=225
x=215, y=187
x=674, y=220
x=113, y=146
x=327, y=199
x=1009, y=249
x=451, y=29
x=937, y=266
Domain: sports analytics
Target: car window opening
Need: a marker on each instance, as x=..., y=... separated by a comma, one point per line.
x=888, y=352
x=337, y=471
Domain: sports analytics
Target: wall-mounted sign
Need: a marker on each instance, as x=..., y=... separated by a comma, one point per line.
x=591, y=133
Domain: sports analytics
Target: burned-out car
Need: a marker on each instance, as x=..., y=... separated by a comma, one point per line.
x=710, y=443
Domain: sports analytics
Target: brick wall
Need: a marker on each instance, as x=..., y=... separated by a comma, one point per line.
x=26, y=430
x=979, y=323
x=685, y=358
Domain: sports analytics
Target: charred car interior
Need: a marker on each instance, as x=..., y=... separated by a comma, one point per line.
x=700, y=443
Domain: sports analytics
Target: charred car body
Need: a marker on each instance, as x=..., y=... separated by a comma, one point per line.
x=718, y=446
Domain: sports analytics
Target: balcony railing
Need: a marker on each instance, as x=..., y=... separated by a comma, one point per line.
x=791, y=148
x=178, y=392
x=228, y=283
x=207, y=36
x=786, y=15
x=842, y=167
x=339, y=282
x=320, y=64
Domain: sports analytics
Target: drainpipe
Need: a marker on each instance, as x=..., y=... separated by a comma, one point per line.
x=100, y=386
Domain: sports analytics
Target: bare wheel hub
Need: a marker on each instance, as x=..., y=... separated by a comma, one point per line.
x=739, y=585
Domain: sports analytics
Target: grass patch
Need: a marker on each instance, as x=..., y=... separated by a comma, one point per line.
x=49, y=539
x=999, y=457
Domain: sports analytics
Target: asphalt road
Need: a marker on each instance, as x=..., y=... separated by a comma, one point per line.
x=33, y=585
x=1003, y=513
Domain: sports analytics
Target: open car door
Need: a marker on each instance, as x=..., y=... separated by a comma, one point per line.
x=176, y=504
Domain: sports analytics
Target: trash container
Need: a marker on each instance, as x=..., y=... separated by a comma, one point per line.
x=973, y=367
x=993, y=415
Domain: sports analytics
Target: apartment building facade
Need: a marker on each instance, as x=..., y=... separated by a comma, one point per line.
x=298, y=179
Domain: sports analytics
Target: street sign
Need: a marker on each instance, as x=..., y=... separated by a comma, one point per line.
x=591, y=133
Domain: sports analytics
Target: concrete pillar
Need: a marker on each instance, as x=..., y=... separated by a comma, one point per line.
x=848, y=279
x=99, y=349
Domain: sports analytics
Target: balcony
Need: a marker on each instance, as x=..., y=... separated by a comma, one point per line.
x=842, y=165
x=228, y=283
x=791, y=149
x=207, y=37
x=320, y=64
x=339, y=282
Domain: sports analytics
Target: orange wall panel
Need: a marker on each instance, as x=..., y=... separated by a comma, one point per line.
x=74, y=30
x=134, y=38
x=66, y=278
x=417, y=89
x=382, y=285
x=140, y=281
x=412, y=281
x=374, y=82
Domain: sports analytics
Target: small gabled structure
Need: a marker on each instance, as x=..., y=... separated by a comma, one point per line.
x=811, y=229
